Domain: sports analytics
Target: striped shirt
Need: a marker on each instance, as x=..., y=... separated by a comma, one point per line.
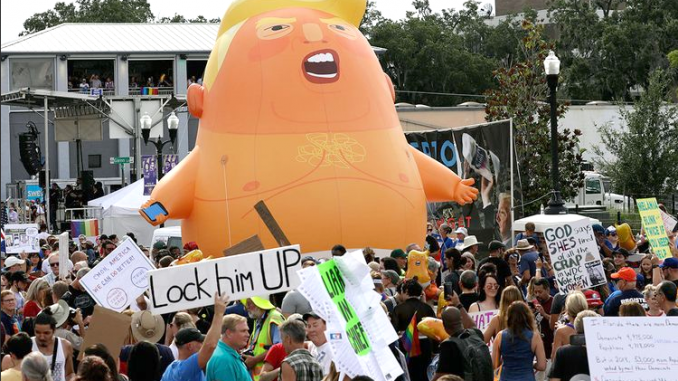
x=305, y=366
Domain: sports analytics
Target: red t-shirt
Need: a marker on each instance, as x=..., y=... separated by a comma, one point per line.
x=31, y=309
x=275, y=356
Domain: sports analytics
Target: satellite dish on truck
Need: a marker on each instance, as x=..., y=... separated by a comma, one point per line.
x=486, y=9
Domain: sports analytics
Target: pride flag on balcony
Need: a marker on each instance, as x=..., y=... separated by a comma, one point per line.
x=149, y=91
x=89, y=228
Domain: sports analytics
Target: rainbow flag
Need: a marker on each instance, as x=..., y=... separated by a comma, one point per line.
x=410, y=339
x=89, y=228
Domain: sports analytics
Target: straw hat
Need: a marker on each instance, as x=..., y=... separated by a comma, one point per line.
x=469, y=241
x=524, y=245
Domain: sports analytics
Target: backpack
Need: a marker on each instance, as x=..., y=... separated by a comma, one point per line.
x=476, y=354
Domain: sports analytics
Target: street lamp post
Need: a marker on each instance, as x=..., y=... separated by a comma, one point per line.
x=172, y=125
x=552, y=68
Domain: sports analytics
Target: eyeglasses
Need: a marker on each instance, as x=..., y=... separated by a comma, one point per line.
x=492, y=286
x=9, y=301
x=54, y=264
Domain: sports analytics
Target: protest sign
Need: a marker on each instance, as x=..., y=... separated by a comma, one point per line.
x=240, y=276
x=482, y=319
x=63, y=256
x=21, y=237
x=358, y=329
x=574, y=255
x=653, y=224
x=119, y=278
x=631, y=348
x=108, y=328
x=670, y=223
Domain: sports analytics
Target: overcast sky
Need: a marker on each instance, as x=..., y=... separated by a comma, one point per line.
x=15, y=12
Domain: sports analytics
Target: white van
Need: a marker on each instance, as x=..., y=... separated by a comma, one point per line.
x=171, y=236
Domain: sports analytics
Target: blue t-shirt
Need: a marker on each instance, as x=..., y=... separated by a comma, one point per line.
x=226, y=365
x=184, y=370
x=617, y=298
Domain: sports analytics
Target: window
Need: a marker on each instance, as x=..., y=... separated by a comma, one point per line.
x=94, y=161
x=36, y=73
x=593, y=186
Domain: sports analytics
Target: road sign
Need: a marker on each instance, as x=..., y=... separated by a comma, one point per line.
x=122, y=160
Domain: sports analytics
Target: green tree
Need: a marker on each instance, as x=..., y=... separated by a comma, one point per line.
x=429, y=54
x=520, y=96
x=109, y=11
x=641, y=156
x=609, y=47
x=371, y=18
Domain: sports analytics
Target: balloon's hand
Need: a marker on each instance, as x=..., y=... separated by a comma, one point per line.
x=465, y=192
x=154, y=212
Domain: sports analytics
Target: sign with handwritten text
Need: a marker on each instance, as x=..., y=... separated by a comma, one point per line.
x=119, y=278
x=240, y=276
x=482, y=318
x=632, y=348
x=574, y=255
x=653, y=224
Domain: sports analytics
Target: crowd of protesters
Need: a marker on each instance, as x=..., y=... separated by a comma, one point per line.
x=533, y=336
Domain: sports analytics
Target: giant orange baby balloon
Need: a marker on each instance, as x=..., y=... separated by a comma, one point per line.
x=296, y=111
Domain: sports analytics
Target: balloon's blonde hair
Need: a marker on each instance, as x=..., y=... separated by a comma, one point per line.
x=241, y=10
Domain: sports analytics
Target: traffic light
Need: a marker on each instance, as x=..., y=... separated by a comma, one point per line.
x=29, y=153
x=42, y=179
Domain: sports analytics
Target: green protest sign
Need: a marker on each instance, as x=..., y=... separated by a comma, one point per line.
x=335, y=286
x=655, y=231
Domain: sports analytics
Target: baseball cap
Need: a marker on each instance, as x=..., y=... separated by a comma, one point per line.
x=598, y=228
x=186, y=335
x=190, y=246
x=625, y=273
x=13, y=261
x=159, y=245
x=398, y=253
x=392, y=275
x=593, y=298
x=494, y=245
x=671, y=263
x=311, y=314
x=621, y=251
x=309, y=258
x=610, y=230
x=260, y=302
x=462, y=231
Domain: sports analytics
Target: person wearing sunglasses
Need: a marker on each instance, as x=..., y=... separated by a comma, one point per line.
x=51, y=268
x=611, y=238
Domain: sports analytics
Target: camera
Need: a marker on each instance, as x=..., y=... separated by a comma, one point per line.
x=71, y=313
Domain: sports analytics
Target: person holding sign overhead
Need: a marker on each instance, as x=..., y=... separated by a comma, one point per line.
x=195, y=349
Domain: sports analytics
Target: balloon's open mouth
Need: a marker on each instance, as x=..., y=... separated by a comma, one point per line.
x=321, y=66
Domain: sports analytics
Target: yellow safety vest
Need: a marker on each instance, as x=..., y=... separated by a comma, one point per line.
x=264, y=340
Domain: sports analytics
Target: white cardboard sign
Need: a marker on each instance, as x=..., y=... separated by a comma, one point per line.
x=574, y=255
x=21, y=237
x=119, y=278
x=239, y=276
x=632, y=348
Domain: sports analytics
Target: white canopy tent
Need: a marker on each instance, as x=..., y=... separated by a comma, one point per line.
x=121, y=213
x=543, y=221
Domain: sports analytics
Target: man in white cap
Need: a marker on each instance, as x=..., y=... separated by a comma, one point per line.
x=611, y=239
x=13, y=264
x=461, y=233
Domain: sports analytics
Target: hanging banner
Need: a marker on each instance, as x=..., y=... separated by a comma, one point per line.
x=148, y=165
x=482, y=152
x=169, y=162
x=574, y=255
x=240, y=276
x=21, y=237
x=653, y=224
x=119, y=278
x=631, y=348
x=33, y=192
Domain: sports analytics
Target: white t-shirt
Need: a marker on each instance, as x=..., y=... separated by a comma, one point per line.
x=323, y=354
